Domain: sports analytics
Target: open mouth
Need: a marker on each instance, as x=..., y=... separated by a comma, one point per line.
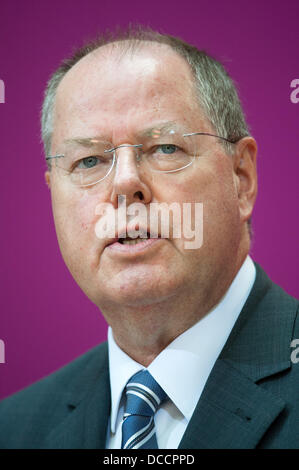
x=132, y=246
x=128, y=245
x=132, y=241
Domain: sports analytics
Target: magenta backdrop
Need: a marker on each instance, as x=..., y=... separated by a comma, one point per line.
x=45, y=318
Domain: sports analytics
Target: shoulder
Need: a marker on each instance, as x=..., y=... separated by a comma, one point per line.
x=45, y=400
x=61, y=381
x=259, y=350
x=269, y=304
x=280, y=308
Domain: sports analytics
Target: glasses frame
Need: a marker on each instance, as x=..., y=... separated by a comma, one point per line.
x=113, y=149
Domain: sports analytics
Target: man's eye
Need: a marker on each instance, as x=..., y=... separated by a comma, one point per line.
x=167, y=149
x=88, y=162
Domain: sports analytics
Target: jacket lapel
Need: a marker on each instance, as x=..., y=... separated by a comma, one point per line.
x=235, y=410
x=232, y=413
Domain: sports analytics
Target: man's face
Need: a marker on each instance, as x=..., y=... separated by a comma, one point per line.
x=115, y=96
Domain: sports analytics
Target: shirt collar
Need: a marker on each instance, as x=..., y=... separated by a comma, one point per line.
x=183, y=367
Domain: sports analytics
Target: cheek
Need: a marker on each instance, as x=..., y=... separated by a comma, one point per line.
x=85, y=211
x=188, y=187
x=211, y=184
x=221, y=211
x=75, y=220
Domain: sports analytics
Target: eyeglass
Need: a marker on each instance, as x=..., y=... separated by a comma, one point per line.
x=163, y=150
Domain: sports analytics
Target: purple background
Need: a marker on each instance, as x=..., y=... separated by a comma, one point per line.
x=45, y=318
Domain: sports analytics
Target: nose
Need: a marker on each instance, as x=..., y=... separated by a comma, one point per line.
x=127, y=179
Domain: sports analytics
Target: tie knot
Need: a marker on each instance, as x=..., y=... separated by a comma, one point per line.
x=144, y=395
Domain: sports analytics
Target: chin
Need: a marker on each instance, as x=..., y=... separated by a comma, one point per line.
x=140, y=293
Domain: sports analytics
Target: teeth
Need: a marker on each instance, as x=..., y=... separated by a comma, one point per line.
x=133, y=241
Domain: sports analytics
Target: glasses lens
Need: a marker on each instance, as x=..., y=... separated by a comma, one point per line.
x=168, y=150
x=86, y=162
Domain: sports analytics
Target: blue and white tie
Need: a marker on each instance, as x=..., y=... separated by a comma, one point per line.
x=143, y=397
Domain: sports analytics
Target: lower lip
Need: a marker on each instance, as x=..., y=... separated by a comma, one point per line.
x=126, y=248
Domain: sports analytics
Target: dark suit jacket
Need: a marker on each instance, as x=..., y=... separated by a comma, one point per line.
x=251, y=399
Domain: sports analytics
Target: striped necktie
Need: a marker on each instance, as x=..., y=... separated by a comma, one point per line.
x=143, y=397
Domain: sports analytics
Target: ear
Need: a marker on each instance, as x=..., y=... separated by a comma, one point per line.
x=245, y=175
x=48, y=178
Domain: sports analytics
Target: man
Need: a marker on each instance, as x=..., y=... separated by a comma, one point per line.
x=199, y=338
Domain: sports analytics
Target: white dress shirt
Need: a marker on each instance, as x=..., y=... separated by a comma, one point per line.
x=182, y=368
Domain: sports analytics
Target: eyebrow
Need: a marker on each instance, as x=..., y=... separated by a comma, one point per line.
x=86, y=141
x=90, y=141
x=161, y=127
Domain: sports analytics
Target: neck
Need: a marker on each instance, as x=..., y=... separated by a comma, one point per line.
x=143, y=332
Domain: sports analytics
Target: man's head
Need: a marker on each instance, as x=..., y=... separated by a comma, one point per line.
x=114, y=93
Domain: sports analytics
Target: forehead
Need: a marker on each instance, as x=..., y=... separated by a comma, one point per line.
x=117, y=91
